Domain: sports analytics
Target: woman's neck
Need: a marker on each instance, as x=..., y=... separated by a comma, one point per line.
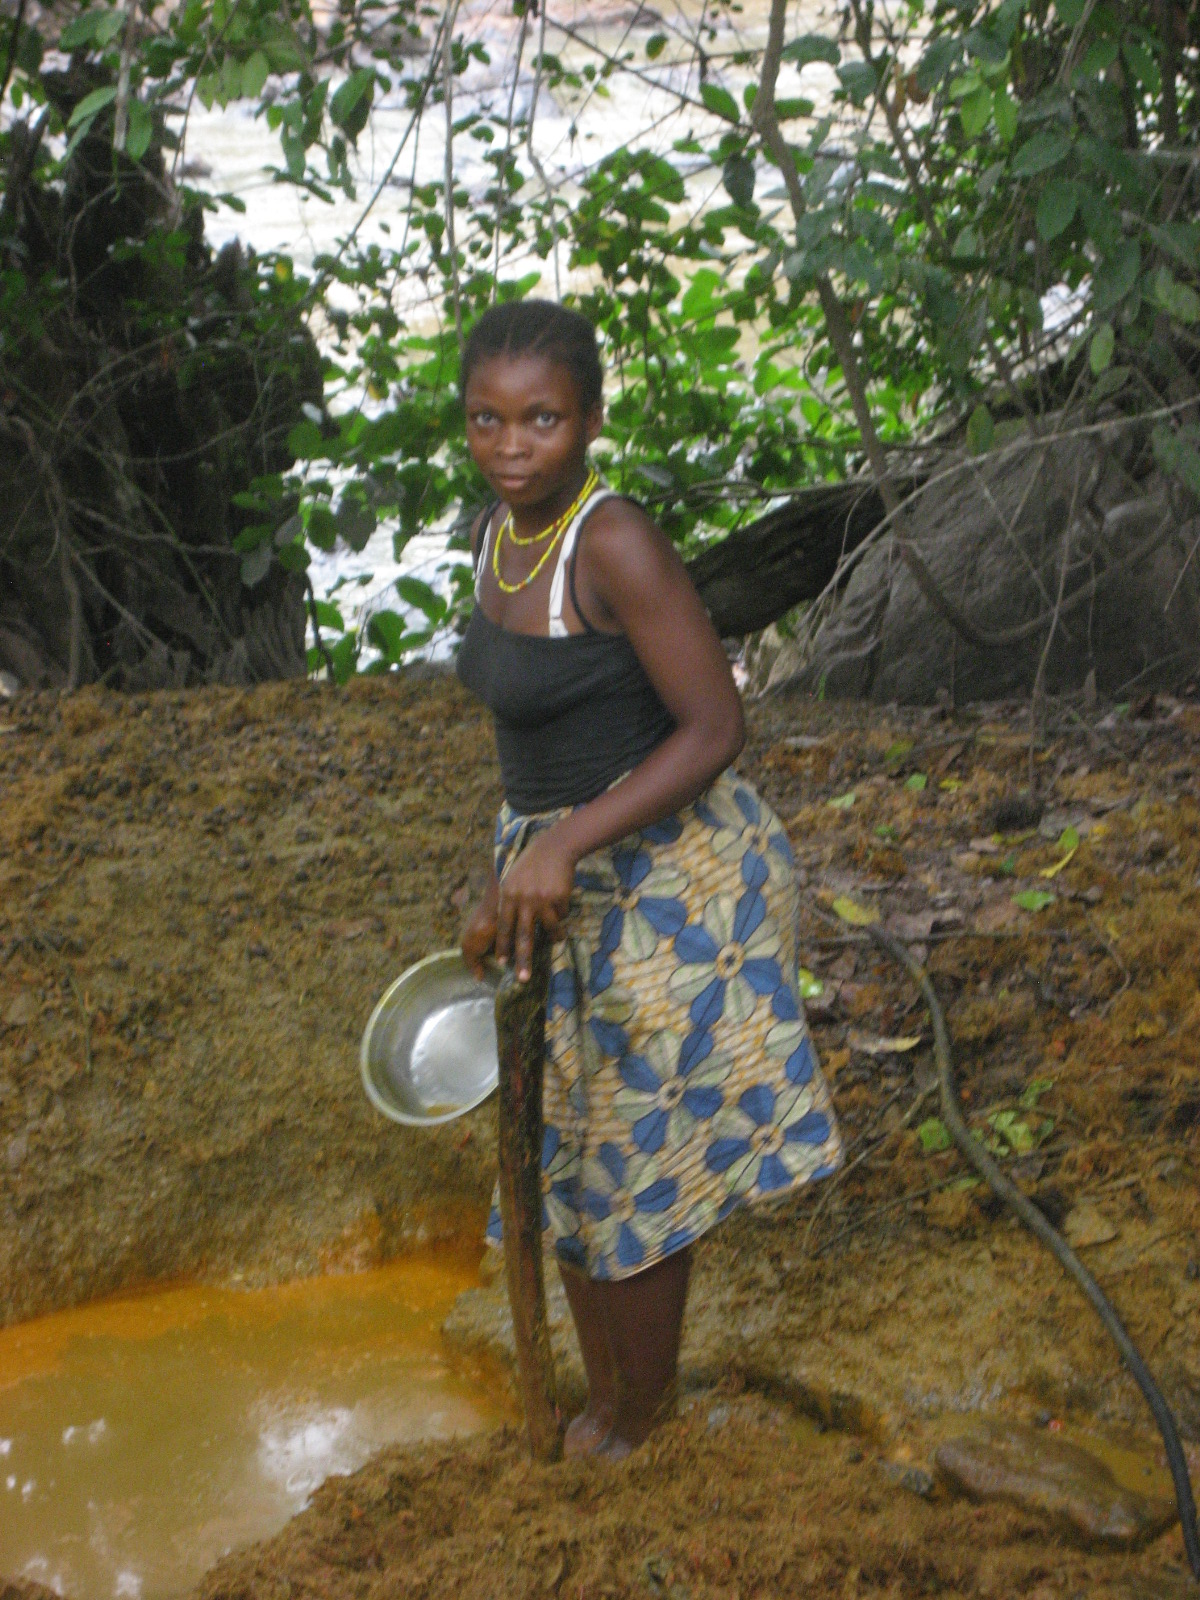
x=528, y=521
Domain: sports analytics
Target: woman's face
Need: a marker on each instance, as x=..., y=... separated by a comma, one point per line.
x=526, y=429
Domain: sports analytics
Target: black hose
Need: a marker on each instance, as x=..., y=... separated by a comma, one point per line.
x=1004, y=1189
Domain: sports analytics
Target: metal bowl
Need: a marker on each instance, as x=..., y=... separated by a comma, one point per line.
x=429, y=1053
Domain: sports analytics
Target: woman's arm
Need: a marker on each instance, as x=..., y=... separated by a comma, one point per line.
x=636, y=581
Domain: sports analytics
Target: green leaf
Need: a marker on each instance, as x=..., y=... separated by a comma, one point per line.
x=917, y=783
x=938, y=61
x=1116, y=277
x=1112, y=380
x=1056, y=208
x=1018, y=1135
x=934, y=1135
x=355, y=519
x=1100, y=351
x=1004, y=109
x=257, y=564
x=843, y=802
x=1177, y=299
x=858, y=80
x=91, y=104
x=899, y=750
x=809, y=986
x=1100, y=56
x=254, y=74
x=1181, y=240
x=850, y=911
x=304, y=440
x=1034, y=1090
x=738, y=177
x=321, y=527
x=1177, y=455
x=387, y=633
x=976, y=111
x=98, y=28
x=812, y=47
x=719, y=101
x=328, y=615
x=350, y=104
x=139, y=131
x=415, y=592
x=655, y=45
x=1039, y=154
x=292, y=557
x=981, y=430
x=1034, y=899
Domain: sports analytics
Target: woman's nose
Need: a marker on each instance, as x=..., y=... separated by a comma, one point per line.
x=513, y=442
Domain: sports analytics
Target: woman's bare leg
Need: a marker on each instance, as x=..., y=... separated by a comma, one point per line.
x=643, y=1317
x=590, y=1428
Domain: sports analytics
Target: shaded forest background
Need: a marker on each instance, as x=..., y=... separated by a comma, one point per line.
x=901, y=319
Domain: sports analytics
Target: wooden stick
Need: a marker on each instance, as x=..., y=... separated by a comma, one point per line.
x=520, y=1034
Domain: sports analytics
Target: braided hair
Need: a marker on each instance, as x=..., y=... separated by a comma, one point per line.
x=543, y=328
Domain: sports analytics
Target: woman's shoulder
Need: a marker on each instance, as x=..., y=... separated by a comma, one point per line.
x=621, y=534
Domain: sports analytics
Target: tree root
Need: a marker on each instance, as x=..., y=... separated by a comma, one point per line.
x=1004, y=1189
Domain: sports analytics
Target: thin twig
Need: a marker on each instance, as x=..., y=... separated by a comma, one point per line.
x=448, y=98
x=14, y=38
x=316, y=626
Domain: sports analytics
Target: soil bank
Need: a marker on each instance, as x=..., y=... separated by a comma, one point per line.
x=202, y=894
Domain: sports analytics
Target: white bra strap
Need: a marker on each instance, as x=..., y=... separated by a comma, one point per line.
x=484, y=541
x=558, y=628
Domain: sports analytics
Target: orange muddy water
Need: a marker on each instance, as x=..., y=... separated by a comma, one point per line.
x=143, y=1437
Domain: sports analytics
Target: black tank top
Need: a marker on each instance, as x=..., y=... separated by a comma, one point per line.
x=572, y=713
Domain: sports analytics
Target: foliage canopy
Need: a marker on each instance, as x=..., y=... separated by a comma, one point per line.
x=1000, y=198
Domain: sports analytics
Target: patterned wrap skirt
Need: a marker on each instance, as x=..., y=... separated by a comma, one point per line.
x=680, y=1078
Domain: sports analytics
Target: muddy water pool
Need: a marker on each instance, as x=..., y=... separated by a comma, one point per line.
x=143, y=1437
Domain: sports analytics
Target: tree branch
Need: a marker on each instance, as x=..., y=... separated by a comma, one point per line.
x=841, y=337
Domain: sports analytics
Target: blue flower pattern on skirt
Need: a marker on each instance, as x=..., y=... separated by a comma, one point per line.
x=681, y=1081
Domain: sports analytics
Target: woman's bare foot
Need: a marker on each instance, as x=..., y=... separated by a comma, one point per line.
x=614, y=1448
x=587, y=1432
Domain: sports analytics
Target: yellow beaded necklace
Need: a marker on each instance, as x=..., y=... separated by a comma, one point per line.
x=553, y=534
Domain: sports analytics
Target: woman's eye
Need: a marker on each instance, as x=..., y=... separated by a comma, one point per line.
x=482, y=419
x=547, y=419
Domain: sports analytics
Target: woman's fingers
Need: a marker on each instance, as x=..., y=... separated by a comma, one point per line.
x=523, y=950
x=505, y=918
x=518, y=917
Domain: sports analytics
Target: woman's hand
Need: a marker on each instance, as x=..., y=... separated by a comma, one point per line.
x=536, y=889
x=479, y=936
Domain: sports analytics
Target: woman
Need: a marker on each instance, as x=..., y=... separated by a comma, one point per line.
x=680, y=1080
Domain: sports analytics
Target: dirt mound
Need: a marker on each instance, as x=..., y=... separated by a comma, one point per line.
x=201, y=895
x=734, y=1499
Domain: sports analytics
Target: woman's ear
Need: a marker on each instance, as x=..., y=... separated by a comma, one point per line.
x=595, y=421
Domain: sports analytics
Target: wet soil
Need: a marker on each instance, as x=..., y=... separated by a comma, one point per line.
x=200, y=897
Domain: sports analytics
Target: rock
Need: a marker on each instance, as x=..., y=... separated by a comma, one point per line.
x=21, y=1011
x=907, y=1476
x=1068, y=1484
x=1085, y=1225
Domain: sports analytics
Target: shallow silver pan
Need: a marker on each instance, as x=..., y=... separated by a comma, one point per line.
x=429, y=1052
